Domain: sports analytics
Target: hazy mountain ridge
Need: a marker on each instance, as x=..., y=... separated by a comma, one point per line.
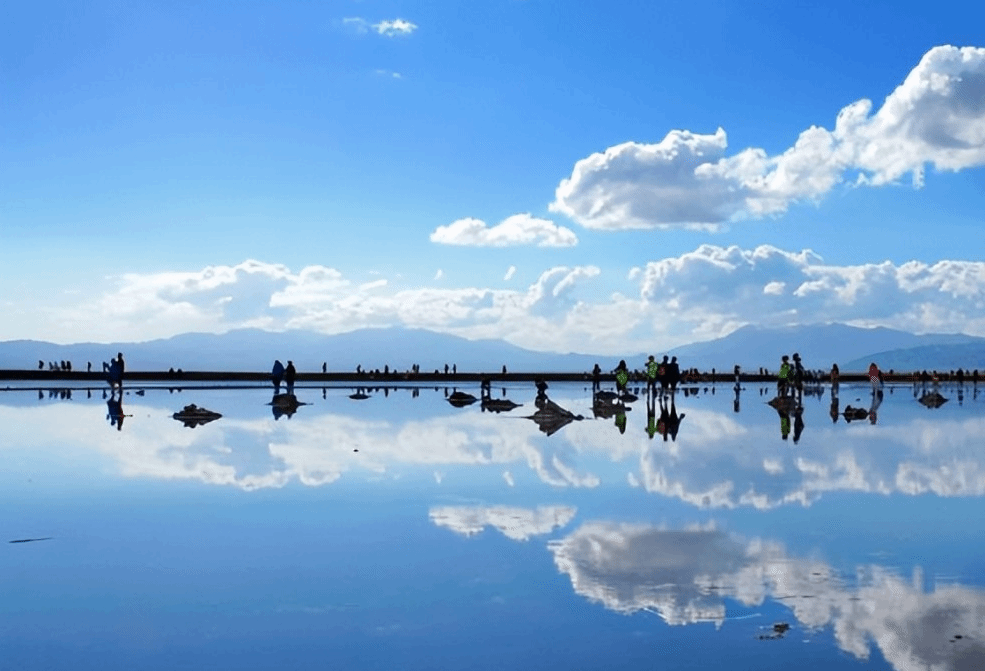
x=751, y=347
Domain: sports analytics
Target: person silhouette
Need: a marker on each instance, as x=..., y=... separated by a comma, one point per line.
x=277, y=375
x=114, y=411
x=673, y=421
x=290, y=374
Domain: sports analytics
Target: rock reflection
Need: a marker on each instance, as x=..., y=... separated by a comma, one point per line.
x=686, y=576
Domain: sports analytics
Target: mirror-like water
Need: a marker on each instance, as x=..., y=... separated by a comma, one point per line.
x=400, y=531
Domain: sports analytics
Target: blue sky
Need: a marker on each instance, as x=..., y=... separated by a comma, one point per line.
x=203, y=166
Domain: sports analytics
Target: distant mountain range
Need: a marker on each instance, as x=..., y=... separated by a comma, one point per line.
x=820, y=346
x=751, y=347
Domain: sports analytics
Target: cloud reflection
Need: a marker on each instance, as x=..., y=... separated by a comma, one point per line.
x=717, y=463
x=519, y=524
x=686, y=576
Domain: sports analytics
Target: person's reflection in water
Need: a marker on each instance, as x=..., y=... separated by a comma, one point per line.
x=671, y=420
x=876, y=402
x=114, y=411
x=798, y=423
x=651, y=413
x=621, y=418
x=834, y=410
x=784, y=423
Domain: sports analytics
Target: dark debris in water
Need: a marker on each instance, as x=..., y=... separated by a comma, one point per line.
x=31, y=540
x=776, y=631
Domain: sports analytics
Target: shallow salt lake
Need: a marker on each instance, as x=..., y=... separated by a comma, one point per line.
x=398, y=531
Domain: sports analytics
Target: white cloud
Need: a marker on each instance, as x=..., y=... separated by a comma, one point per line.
x=519, y=229
x=356, y=25
x=510, y=272
x=388, y=73
x=394, y=27
x=438, y=275
x=386, y=28
x=936, y=116
x=699, y=295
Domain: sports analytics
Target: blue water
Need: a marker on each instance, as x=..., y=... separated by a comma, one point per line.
x=401, y=532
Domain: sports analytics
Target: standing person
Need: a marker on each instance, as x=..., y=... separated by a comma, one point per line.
x=290, y=373
x=622, y=376
x=798, y=375
x=324, y=367
x=835, y=374
x=596, y=377
x=663, y=374
x=276, y=375
x=652, y=370
x=875, y=377
x=783, y=377
x=673, y=374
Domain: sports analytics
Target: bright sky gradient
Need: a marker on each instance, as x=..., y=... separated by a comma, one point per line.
x=570, y=176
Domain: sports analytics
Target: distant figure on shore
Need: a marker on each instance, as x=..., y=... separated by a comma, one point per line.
x=277, y=375
x=783, y=378
x=596, y=378
x=40, y=364
x=504, y=369
x=290, y=374
x=324, y=367
x=88, y=366
x=835, y=375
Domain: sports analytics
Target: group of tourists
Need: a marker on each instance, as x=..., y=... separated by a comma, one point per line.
x=790, y=378
x=666, y=373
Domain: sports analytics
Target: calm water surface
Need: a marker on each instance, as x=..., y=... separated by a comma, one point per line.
x=398, y=531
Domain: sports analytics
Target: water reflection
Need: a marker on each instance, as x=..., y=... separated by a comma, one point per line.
x=687, y=576
x=411, y=511
x=723, y=460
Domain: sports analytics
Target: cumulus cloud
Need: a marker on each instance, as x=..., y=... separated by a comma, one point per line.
x=714, y=289
x=394, y=27
x=700, y=295
x=936, y=116
x=519, y=229
x=519, y=524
